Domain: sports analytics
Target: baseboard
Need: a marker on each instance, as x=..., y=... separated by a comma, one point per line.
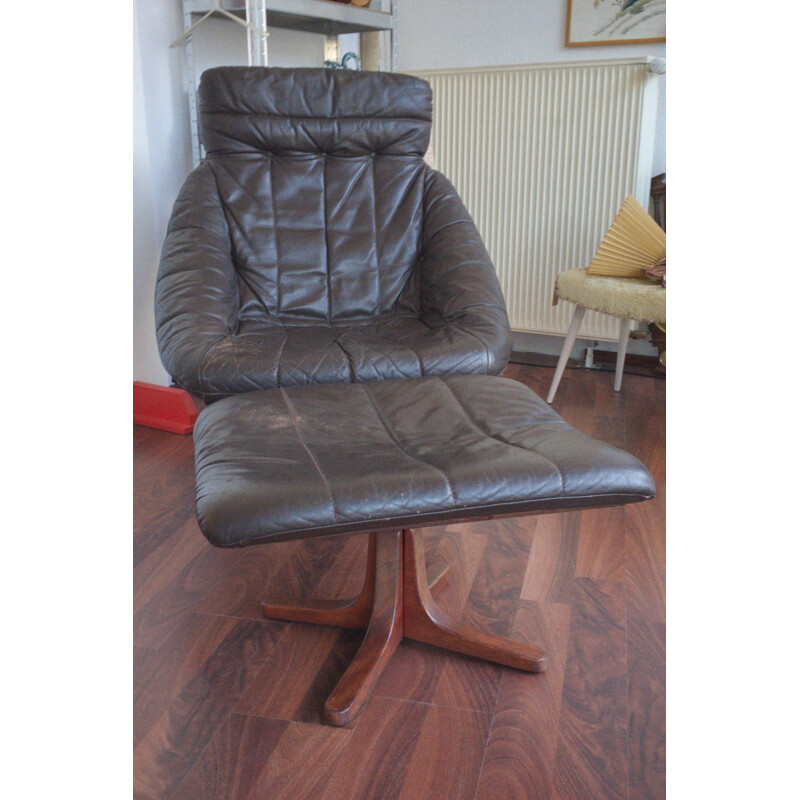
x=540, y=359
x=604, y=360
x=634, y=364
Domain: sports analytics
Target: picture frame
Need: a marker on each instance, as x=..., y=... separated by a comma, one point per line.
x=605, y=22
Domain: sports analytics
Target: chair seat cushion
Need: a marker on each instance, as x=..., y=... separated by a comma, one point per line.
x=313, y=460
x=265, y=356
x=629, y=298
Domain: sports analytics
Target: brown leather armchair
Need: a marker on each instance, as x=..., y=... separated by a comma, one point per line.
x=314, y=245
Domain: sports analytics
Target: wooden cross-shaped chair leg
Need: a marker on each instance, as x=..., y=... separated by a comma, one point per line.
x=346, y=613
x=383, y=634
x=425, y=622
x=341, y=614
x=397, y=601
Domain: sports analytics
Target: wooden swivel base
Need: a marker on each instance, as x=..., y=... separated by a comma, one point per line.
x=396, y=602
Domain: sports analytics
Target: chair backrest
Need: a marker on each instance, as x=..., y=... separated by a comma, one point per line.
x=321, y=177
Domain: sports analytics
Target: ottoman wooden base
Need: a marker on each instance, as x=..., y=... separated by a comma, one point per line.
x=396, y=602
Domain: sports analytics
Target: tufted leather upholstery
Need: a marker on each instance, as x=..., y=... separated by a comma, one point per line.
x=314, y=460
x=314, y=245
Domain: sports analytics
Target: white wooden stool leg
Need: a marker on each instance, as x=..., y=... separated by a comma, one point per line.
x=622, y=346
x=572, y=333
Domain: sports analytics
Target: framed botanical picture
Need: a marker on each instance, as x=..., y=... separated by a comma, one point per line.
x=615, y=21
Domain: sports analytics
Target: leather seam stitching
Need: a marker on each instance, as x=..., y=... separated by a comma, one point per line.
x=401, y=448
x=408, y=347
x=374, y=199
x=350, y=365
x=201, y=380
x=293, y=413
x=500, y=439
x=478, y=339
x=277, y=239
x=280, y=355
x=254, y=250
x=327, y=245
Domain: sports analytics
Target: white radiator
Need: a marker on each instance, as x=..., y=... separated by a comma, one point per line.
x=543, y=156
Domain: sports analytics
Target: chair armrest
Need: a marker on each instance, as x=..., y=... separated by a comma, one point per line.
x=196, y=289
x=459, y=284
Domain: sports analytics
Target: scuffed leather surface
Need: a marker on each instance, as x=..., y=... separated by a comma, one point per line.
x=314, y=245
x=316, y=460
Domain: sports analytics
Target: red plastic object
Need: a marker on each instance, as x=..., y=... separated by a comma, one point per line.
x=162, y=407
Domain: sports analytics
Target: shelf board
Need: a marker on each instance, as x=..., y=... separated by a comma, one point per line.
x=312, y=16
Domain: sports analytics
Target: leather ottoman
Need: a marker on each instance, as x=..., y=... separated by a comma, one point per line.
x=389, y=457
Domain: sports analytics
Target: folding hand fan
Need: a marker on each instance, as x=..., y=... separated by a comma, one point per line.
x=632, y=245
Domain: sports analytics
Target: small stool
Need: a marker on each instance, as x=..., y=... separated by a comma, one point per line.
x=386, y=457
x=630, y=299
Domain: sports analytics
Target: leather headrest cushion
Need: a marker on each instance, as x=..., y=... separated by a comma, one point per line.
x=272, y=109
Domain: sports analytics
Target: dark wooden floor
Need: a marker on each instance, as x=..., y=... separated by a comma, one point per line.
x=226, y=704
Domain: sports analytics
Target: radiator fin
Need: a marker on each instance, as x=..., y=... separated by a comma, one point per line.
x=543, y=156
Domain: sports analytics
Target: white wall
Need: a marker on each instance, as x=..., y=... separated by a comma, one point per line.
x=146, y=243
x=220, y=42
x=161, y=141
x=162, y=158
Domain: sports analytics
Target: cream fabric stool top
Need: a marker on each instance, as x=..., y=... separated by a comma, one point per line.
x=630, y=299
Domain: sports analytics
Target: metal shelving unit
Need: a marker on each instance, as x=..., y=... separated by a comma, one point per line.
x=310, y=16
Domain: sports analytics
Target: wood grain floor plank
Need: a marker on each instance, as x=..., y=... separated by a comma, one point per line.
x=242, y=594
x=375, y=762
x=163, y=485
x=412, y=674
x=156, y=528
x=645, y=528
x=345, y=576
x=520, y=753
x=495, y=593
x=607, y=420
x=645, y=428
x=645, y=560
x=207, y=681
x=343, y=651
x=404, y=750
x=461, y=548
x=295, y=569
x=550, y=569
x=157, y=571
x=301, y=672
x=307, y=565
x=155, y=620
x=160, y=675
x=468, y=683
x=448, y=756
x=592, y=748
x=601, y=544
x=536, y=379
x=576, y=399
x=302, y=765
x=646, y=710
x=234, y=759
